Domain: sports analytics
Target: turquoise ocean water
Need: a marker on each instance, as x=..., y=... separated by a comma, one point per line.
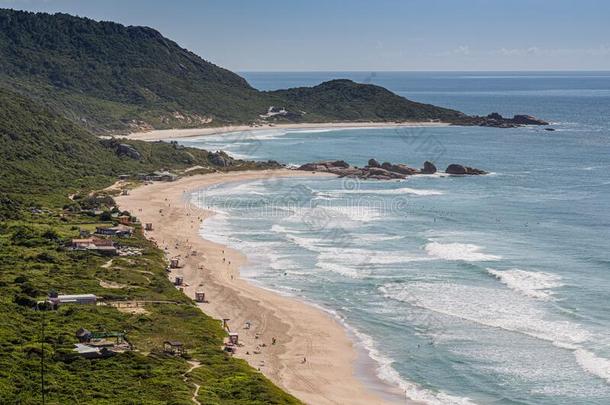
x=492, y=289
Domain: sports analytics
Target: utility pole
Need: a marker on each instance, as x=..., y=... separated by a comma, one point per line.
x=42, y=358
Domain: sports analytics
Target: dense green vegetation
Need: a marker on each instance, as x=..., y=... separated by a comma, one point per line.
x=33, y=261
x=44, y=159
x=108, y=77
x=44, y=155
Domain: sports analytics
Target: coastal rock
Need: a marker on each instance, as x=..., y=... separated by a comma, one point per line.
x=325, y=166
x=429, y=168
x=528, y=120
x=496, y=120
x=373, y=163
x=385, y=171
x=127, y=150
x=382, y=174
x=463, y=170
x=399, y=168
x=220, y=159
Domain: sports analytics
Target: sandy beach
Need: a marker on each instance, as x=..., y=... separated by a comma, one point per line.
x=313, y=357
x=169, y=134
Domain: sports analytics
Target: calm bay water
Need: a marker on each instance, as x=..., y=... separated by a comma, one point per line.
x=491, y=289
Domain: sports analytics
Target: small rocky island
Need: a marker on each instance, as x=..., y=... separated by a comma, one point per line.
x=384, y=171
x=498, y=121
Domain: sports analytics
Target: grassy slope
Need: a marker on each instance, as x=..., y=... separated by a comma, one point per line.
x=45, y=155
x=32, y=261
x=108, y=77
x=43, y=158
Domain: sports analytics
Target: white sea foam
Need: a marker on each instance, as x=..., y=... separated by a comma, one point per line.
x=387, y=373
x=459, y=251
x=390, y=191
x=593, y=364
x=491, y=307
x=533, y=284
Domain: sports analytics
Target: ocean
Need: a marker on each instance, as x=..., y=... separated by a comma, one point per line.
x=484, y=289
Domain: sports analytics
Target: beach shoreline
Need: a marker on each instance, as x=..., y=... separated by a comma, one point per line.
x=314, y=357
x=171, y=134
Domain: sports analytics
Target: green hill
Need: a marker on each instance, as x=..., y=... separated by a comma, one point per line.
x=44, y=156
x=345, y=100
x=108, y=77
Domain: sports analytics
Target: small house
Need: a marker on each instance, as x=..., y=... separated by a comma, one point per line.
x=163, y=176
x=179, y=280
x=200, y=296
x=233, y=338
x=124, y=219
x=174, y=263
x=103, y=246
x=148, y=226
x=83, y=335
x=174, y=347
x=119, y=230
x=82, y=299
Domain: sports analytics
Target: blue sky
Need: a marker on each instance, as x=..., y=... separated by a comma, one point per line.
x=369, y=35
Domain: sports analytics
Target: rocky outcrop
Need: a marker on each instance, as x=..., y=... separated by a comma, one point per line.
x=385, y=171
x=428, y=168
x=399, y=168
x=127, y=150
x=373, y=163
x=220, y=159
x=463, y=170
x=498, y=121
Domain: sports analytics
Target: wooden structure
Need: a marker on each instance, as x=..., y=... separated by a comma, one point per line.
x=148, y=226
x=200, y=296
x=174, y=263
x=179, y=280
x=233, y=338
x=174, y=347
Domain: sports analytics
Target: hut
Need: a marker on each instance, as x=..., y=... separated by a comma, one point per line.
x=233, y=338
x=174, y=263
x=200, y=296
x=179, y=280
x=148, y=226
x=83, y=335
x=174, y=347
x=82, y=299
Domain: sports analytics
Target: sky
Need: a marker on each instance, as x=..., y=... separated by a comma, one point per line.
x=375, y=35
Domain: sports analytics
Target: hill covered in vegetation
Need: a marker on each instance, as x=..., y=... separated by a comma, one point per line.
x=108, y=77
x=45, y=158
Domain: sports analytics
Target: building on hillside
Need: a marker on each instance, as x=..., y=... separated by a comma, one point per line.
x=82, y=299
x=124, y=219
x=158, y=176
x=119, y=230
x=103, y=246
x=174, y=347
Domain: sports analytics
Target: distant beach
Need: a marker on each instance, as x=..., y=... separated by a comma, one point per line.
x=313, y=357
x=170, y=134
